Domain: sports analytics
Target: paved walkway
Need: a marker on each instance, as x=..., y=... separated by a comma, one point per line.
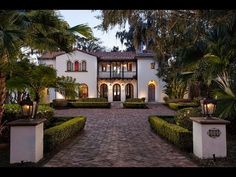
x=118, y=138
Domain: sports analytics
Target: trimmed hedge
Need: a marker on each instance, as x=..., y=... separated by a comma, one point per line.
x=140, y=105
x=182, y=105
x=182, y=117
x=90, y=105
x=92, y=100
x=59, y=103
x=58, y=134
x=177, y=135
x=134, y=100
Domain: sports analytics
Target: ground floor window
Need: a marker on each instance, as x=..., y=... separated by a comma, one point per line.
x=104, y=91
x=129, y=91
x=83, y=91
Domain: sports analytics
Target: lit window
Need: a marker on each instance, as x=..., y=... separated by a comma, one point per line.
x=104, y=67
x=152, y=65
x=129, y=67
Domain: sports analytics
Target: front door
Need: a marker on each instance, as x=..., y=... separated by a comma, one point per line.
x=116, y=92
x=151, y=92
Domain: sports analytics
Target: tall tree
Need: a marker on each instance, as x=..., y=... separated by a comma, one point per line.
x=38, y=29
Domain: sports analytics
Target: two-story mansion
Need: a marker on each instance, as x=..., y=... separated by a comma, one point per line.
x=113, y=75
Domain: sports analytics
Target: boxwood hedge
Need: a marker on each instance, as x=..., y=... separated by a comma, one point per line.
x=56, y=135
x=140, y=105
x=177, y=135
x=90, y=105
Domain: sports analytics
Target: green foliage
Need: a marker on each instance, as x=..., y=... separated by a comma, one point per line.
x=13, y=112
x=182, y=117
x=175, y=134
x=90, y=104
x=173, y=106
x=139, y=105
x=134, y=100
x=59, y=103
x=58, y=134
x=92, y=100
x=67, y=86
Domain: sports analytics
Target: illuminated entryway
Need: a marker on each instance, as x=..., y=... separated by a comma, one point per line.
x=151, y=91
x=83, y=91
x=104, y=91
x=116, y=92
x=129, y=91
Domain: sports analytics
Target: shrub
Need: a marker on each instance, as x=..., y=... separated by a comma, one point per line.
x=182, y=105
x=59, y=103
x=58, y=134
x=92, y=100
x=134, y=100
x=90, y=105
x=13, y=112
x=166, y=98
x=173, y=106
x=175, y=134
x=182, y=117
x=140, y=105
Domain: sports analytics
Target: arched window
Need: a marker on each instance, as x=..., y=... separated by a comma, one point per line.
x=129, y=91
x=83, y=91
x=104, y=91
x=83, y=65
x=69, y=66
x=76, y=66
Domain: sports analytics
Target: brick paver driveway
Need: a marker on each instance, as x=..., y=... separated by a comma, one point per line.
x=118, y=138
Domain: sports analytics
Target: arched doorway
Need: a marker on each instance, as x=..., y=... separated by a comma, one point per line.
x=83, y=91
x=151, y=92
x=129, y=91
x=104, y=91
x=116, y=92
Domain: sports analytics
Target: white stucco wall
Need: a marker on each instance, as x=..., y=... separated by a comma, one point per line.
x=145, y=75
x=89, y=77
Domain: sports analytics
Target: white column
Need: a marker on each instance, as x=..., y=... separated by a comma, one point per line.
x=209, y=137
x=26, y=140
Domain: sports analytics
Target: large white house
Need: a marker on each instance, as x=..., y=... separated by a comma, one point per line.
x=113, y=75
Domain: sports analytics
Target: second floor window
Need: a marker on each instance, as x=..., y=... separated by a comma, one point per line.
x=84, y=66
x=76, y=66
x=104, y=67
x=69, y=66
x=129, y=67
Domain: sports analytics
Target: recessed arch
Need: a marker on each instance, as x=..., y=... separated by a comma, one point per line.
x=129, y=91
x=83, y=91
x=116, y=92
x=104, y=91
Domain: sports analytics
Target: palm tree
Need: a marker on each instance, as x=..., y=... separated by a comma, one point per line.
x=38, y=29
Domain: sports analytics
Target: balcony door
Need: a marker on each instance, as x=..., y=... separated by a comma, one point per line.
x=116, y=69
x=116, y=92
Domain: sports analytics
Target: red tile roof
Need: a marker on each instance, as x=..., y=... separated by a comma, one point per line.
x=51, y=55
x=103, y=55
x=115, y=55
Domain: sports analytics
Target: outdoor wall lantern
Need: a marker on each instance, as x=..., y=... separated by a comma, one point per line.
x=28, y=107
x=208, y=107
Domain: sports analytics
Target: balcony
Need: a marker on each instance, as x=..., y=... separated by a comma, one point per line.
x=115, y=75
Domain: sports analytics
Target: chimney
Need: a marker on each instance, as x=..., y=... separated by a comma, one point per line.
x=140, y=48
